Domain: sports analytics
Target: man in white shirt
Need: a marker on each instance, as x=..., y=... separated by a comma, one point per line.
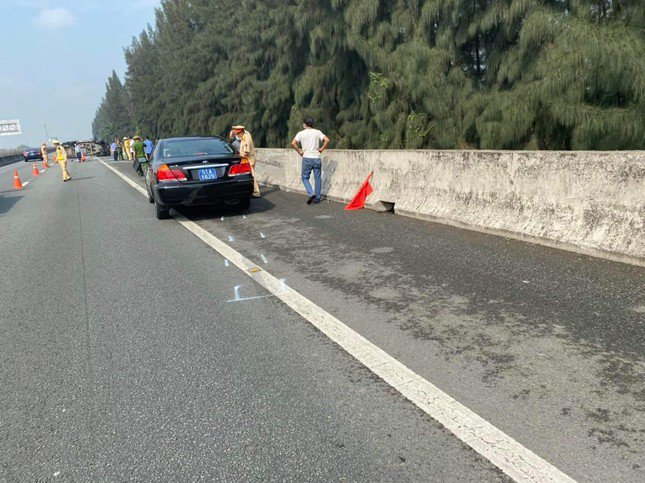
x=312, y=143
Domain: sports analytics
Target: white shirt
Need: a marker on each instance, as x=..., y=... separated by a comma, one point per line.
x=310, y=140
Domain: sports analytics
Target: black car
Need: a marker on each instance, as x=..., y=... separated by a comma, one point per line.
x=32, y=154
x=193, y=171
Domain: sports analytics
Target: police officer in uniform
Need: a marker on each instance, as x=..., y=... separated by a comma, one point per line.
x=61, y=158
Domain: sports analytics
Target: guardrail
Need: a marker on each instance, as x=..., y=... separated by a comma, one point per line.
x=9, y=156
x=8, y=159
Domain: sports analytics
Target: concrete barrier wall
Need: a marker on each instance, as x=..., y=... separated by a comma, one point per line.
x=10, y=159
x=588, y=202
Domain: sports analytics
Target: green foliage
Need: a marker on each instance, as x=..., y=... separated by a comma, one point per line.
x=493, y=74
x=115, y=116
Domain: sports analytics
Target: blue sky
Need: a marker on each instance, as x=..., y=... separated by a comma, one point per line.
x=55, y=56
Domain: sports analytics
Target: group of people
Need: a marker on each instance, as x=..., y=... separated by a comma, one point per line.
x=309, y=144
x=133, y=149
x=125, y=149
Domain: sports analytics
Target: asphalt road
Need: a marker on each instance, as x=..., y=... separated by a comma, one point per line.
x=122, y=359
x=24, y=171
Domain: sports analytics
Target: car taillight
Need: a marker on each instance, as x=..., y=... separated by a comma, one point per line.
x=165, y=174
x=243, y=168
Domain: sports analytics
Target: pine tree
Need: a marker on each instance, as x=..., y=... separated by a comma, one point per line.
x=494, y=74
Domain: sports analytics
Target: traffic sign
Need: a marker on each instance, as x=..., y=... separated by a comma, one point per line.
x=10, y=128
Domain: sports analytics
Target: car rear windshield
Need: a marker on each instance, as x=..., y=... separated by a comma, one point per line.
x=195, y=147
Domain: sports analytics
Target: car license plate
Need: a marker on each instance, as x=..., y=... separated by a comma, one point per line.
x=207, y=174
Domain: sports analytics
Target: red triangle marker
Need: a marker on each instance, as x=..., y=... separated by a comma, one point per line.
x=364, y=191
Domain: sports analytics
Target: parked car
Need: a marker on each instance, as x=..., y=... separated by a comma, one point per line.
x=32, y=154
x=192, y=171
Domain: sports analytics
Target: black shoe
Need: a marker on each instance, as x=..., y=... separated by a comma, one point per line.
x=317, y=200
x=311, y=200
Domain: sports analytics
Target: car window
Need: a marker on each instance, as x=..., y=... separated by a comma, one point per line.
x=195, y=147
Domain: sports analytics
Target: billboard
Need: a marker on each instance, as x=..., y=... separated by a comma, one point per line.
x=10, y=128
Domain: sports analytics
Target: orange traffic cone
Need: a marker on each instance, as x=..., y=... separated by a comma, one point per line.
x=45, y=166
x=17, y=184
x=35, y=171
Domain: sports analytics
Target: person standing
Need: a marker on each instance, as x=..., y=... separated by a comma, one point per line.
x=234, y=140
x=126, y=149
x=43, y=153
x=114, y=148
x=139, y=153
x=60, y=156
x=149, y=147
x=119, y=148
x=247, y=150
x=132, y=148
x=78, y=152
x=310, y=144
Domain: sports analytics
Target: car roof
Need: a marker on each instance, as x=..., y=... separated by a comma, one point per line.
x=188, y=138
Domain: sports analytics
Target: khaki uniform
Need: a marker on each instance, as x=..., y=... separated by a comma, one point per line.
x=43, y=152
x=61, y=158
x=247, y=150
x=126, y=148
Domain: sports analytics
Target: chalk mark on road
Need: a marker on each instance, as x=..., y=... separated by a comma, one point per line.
x=500, y=449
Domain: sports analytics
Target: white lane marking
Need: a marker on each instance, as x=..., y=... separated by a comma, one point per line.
x=227, y=263
x=262, y=235
x=25, y=183
x=264, y=259
x=503, y=451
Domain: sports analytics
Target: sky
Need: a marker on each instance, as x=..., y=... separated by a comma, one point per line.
x=55, y=58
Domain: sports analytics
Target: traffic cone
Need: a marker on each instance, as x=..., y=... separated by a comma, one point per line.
x=35, y=171
x=17, y=184
x=45, y=165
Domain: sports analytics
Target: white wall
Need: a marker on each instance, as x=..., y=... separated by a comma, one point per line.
x=589, y=202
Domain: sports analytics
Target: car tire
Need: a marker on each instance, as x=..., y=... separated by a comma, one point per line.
x=163, y=211
x=150, y=198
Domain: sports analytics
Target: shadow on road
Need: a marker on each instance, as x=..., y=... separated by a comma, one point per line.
x=200, y=213
x=7, y=202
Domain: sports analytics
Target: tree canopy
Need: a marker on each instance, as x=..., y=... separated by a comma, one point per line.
x=449, y=74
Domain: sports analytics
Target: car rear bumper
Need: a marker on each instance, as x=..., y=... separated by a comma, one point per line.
x=194, y=194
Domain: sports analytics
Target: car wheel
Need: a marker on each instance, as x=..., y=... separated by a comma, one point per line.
x=163, y=211
x=150, y=198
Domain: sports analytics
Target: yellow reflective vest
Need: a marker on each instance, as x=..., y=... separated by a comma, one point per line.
x=61, y=154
